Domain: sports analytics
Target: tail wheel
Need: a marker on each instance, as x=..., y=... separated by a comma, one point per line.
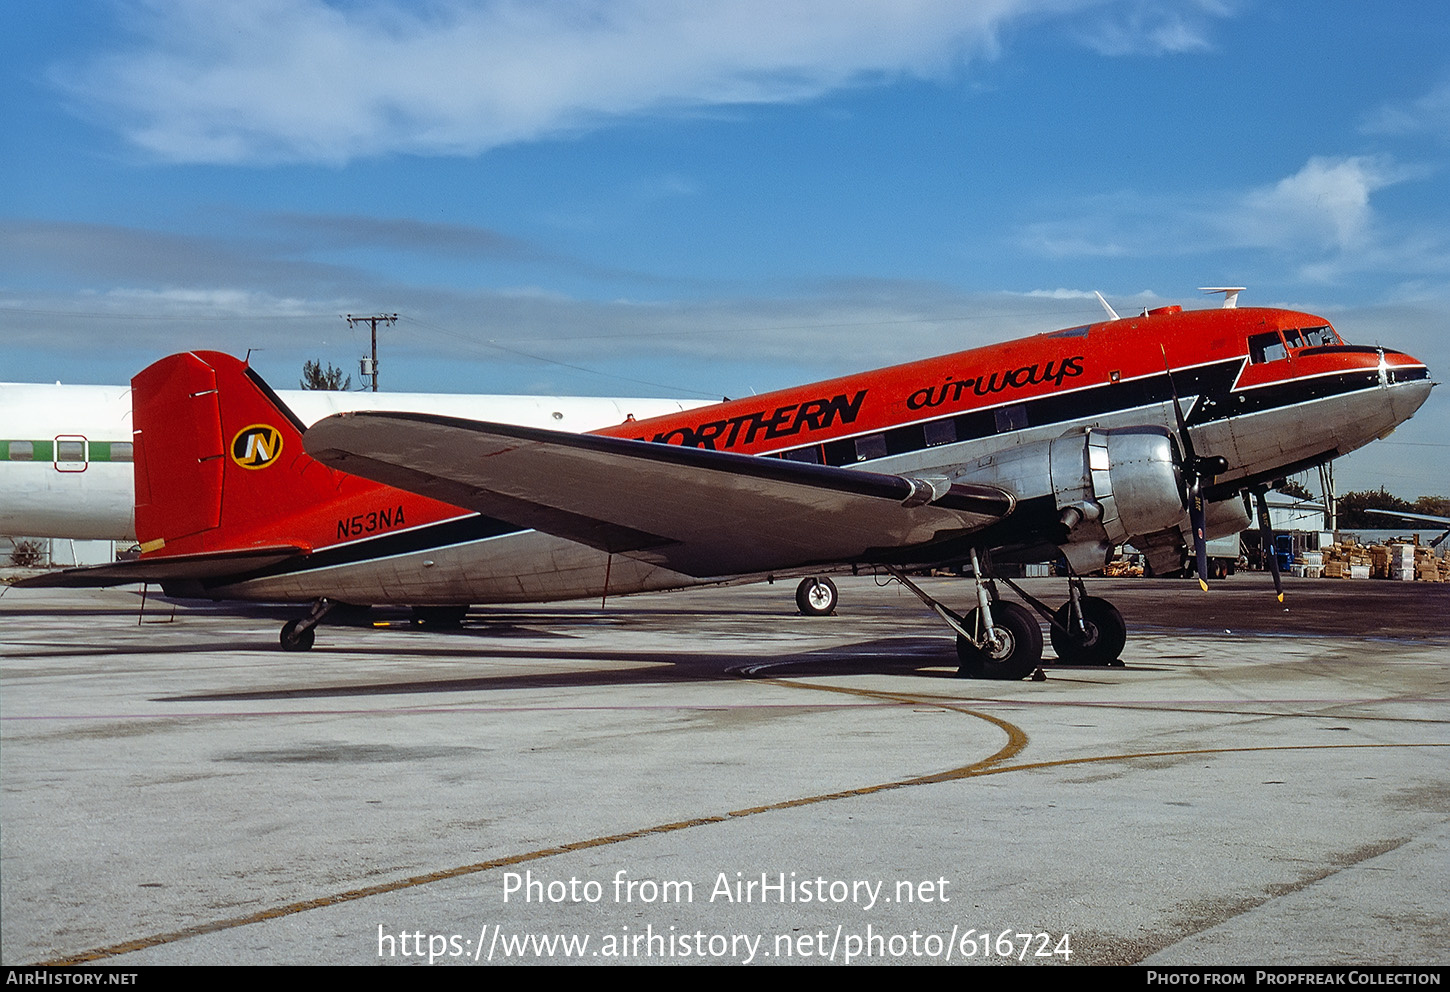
x=1013, y=653
x=297, y=640
x=1105, y=635
x=816, y=597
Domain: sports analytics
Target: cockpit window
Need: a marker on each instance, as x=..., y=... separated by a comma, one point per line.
x=1266, y=348
x=1310, y=337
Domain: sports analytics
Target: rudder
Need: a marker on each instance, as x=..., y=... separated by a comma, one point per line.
x=219, y=459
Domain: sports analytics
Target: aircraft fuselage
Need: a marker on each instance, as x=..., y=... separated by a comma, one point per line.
x=1269, y=391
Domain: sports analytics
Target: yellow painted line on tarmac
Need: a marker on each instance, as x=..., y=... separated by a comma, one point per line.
x=992, y=765
x=1016, y=741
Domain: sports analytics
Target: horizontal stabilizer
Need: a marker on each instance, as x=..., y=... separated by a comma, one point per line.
x=704, y=513
x=173, y=568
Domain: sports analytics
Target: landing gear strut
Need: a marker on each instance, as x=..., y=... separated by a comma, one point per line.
x=1085, y=630
x=1095, y=637
x=997, y=640
x=1011, y=648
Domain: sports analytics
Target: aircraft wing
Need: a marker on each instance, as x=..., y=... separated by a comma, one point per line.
x=703, y=513
x=168, y=568
x=1427, y=518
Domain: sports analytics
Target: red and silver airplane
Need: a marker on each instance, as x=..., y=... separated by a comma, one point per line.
x=1151, y=429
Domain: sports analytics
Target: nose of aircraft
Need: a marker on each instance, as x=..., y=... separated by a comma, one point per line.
x=1408, y=395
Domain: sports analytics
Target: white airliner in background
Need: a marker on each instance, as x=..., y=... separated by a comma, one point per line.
x=66, y=451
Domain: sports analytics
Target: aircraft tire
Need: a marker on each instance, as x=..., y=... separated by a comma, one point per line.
x=294, y=640
x=816, y=596
x=1107, y=633
x=1019, y=654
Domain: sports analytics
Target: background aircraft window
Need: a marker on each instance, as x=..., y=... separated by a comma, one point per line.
x=1267, y=348
x=22, y=451
x=70, y=451
x=812, y=455
x=112, y=451
x=1011, y=418
x=940, y=432
x=869, y=447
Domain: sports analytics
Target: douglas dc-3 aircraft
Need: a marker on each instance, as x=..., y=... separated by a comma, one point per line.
x=1145, y=429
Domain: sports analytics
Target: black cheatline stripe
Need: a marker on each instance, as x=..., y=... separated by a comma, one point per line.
x=425, y=538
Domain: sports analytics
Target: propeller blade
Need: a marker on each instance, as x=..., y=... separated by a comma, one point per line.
x=1198, y=518
x=1190, y=460
x=1266, y=542
x=1194, y=469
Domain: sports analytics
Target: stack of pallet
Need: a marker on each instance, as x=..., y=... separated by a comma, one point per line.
x=1347, y=561
x=1407, y=563
x=1428, y=568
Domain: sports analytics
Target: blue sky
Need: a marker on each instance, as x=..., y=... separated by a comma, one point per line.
x=673, y=198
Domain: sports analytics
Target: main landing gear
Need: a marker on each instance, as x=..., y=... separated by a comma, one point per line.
x=1002, y=640
x=997, y=640
x=1087, y=630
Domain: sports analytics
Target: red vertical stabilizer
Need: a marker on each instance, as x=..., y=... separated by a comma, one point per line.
x=220, y=468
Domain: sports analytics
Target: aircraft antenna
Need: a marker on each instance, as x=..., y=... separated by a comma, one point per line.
x=1113, y=314
x=1230, y=294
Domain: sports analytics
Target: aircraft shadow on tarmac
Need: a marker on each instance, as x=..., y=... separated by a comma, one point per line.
x=924, y=657
x=919, y=657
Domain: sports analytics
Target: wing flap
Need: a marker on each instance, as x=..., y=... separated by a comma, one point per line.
x=704, y=513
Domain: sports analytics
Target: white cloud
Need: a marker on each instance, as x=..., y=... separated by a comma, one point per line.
x=312, y=80
x=1320, y=220
x=1147, y=28
x=1429, y=114
x=1326, y=203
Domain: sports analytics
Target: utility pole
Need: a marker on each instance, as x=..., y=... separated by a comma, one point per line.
x=370, y=366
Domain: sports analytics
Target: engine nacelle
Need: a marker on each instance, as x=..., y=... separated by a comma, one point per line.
x=1101, y=487
x=1168, y=549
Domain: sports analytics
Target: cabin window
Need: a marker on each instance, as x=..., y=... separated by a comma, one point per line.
x=1267, y=348
x=123, y=451
x=811, y=455
x=1011, y=418
x=869, y=447
x=940, y=432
